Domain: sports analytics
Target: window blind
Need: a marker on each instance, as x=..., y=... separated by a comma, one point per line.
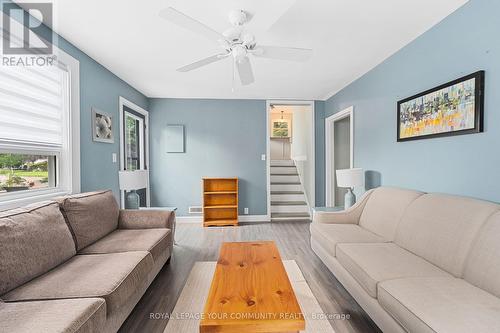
x=33, y=104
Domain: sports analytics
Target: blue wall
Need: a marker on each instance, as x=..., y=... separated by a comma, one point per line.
x=101, y=89
x=464, y=42
x=224, y=138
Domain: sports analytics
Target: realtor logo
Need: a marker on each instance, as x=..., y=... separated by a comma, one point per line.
x=30, y=39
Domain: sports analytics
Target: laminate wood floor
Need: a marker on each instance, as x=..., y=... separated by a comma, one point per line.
x=195, y=243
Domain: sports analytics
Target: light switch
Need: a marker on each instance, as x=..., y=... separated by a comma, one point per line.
x=263, y=157
x=114, y=157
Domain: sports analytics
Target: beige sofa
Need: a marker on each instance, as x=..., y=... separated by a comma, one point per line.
x=78, y=265
x=416, y=262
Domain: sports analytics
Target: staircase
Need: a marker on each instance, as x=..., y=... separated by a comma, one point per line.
x=288, y=202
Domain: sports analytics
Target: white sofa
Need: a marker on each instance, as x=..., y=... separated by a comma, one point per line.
x=416, y=262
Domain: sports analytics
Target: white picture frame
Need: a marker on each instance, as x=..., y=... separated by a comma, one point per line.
x=102, y=126
x=175, y=139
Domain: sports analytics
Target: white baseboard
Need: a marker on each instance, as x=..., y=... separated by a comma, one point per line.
x=188, y=219
x=253, y=218
x=241, y=218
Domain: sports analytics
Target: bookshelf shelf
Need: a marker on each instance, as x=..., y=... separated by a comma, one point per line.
x=220, y=201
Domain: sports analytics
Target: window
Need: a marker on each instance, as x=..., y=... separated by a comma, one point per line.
x=34, y=129
x=37, y=149
x=134, y=137
x=39, y=129
x=20, y=172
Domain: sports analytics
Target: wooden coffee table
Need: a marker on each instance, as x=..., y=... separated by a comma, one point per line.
x=251, y=292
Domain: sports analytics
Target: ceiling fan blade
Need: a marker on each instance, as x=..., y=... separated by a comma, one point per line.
x=202, y=62
x=245, y=71
x=190, y=23
x=283, y=53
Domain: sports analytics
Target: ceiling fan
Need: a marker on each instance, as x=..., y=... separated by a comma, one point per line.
x=235, y=42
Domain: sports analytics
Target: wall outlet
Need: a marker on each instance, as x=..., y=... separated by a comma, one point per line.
x=114, y=157
x=245, y=210
x=263, y=157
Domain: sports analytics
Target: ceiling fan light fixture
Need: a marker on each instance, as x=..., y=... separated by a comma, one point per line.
x=234, y=42
x=233, y=33
x=237, y=17
x=239, y=52
x=248, y=39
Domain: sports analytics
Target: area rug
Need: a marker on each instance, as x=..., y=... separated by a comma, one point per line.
x=185, y=317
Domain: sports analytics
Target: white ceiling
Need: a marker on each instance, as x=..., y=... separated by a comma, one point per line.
x=349, y=37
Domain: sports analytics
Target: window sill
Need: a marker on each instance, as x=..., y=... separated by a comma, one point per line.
x=19, y=200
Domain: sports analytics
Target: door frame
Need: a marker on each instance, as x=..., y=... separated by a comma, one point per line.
x=269, y=102
x=122, y=101
x=329, y=147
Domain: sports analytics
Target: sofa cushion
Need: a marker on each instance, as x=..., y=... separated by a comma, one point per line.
x=384, y=209
x=370, y=264
x=91, y=216
x=114, y=277
x=83, y=315
x=483, y=262
x=155, y=241
x=441, y=228
x=33, y=240
x=440, y=305
x=329, y=235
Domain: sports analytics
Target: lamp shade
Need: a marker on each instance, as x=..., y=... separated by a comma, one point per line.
x=350, y=177
x=133, y=180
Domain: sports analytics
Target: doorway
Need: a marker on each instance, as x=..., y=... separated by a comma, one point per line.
x=339, y=143
x=134, y=144
x=290, y=160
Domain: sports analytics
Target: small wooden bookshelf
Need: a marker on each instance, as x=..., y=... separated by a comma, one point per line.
x=220, y=201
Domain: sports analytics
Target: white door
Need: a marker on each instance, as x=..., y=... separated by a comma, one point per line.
x=134, y=144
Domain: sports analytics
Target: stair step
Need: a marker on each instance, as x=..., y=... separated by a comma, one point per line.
x=286, y=187
x=288, y=203
x=284, y=174
x=283, y=183
x=286, y=192
x=287, y=163
x=291, y=215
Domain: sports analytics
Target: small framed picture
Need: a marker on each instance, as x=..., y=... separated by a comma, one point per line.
x=102, y=127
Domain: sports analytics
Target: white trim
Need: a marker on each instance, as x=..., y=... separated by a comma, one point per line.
x=241, y=219
x=73, y=166
x=122, y=101
x=329, y=156
x=269, y=102
x=252, y=218
x=188, y=219
x=301, y=179
x=268, y=159
x=49, y=194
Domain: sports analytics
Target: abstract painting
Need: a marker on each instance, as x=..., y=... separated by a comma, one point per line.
x=450, y=109
x=102, y=126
